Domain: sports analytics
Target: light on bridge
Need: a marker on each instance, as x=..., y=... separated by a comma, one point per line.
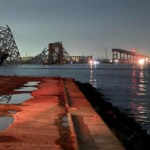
x=116, y=60
x=90, y=62
x=95, y=62
x=141, y=61
x=133, y=50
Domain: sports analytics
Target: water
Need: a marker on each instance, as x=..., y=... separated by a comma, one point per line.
x=14, y=98
x=29, y=86
x=5, y=122
x=26, y=89
x=126, y=86
x=65, y=121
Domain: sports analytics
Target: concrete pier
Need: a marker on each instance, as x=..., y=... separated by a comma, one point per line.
x=58, y=116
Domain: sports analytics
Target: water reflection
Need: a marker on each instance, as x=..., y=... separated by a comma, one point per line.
x=19, y=98
x=26, y=89
x=139, y=104
x=142, y=85
x=65, y=121
x=29, y=86
x=134, y=80
x=14, y=98
x=33, y=83
x=93, y=77
x=5, y=98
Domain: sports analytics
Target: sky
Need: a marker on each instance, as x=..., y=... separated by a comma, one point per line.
x=85, y=27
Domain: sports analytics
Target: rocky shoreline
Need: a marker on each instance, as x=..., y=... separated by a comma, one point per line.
x=131, y=135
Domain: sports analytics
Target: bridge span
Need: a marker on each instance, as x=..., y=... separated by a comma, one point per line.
x=56, y=54
x=125, y=56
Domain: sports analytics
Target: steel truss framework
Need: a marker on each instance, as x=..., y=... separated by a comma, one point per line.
x=8, y=46
x=40, y=58
x=56, y=54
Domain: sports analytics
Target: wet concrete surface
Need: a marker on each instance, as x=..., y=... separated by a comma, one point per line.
x=57, y=116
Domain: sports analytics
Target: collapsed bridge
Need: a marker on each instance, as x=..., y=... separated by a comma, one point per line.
x=56, y=54
x=9, y=53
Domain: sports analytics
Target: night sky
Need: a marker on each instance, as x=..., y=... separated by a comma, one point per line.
x=85, y=27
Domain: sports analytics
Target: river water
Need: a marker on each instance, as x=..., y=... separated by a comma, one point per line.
x=125, y=86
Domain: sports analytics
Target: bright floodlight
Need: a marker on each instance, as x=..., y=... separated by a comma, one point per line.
x=91, y=62
x=116, y=60
x=96, y=62
x=141, y=61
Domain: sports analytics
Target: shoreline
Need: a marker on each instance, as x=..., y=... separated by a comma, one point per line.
x=57, y=116
x=131, y=134
x=82, y=99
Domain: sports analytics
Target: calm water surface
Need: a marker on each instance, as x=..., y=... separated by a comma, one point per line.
x=126, y=86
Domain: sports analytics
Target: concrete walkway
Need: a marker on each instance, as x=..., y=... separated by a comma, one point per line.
x=91, y=131
x=57, y=117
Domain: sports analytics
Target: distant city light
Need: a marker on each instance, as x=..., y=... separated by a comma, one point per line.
x=116, y=60
x=146, y=60
x=95, y=62
x=141, y=61
x=111, y=60
x=91, y=62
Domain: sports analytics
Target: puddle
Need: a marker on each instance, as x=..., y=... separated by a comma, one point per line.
x=4, y=113
x=12, y=112
x=65, y=124
x=65, y=121
x=5, y=122
x=5, y=98
x=29, y=86
x=15, y=98
x=29, y=89
x=65, y=118
x=32, y=83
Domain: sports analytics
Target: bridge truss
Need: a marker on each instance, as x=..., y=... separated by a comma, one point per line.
x=55, y=54
x=9, y=53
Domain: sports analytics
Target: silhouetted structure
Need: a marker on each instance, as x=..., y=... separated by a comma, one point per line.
x=9, y=53
x=124, y=56
x=56, y=54
x=81, y=59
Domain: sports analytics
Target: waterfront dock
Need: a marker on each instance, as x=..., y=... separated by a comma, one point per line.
x=57, y=116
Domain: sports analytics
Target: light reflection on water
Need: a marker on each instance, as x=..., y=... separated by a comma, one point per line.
x=140, y=105
x=128, y=89
x=93, y=78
